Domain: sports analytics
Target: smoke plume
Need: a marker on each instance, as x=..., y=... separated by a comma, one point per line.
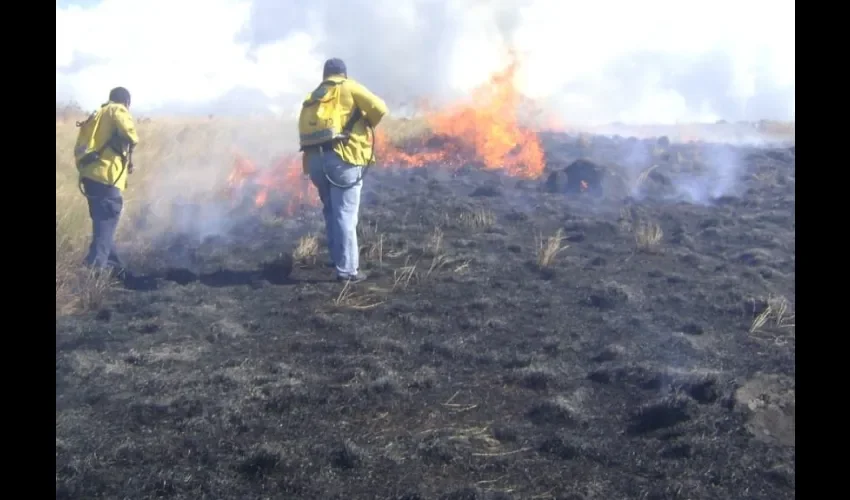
x=659, y=61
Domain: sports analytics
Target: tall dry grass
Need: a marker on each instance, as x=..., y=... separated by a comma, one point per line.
x=175, y=155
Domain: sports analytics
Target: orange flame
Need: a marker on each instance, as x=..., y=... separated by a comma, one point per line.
x=283, y=178
x=485, y=131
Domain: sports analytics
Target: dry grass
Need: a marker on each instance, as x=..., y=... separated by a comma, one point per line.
x=94, y=289
x=402, y=129
x=181, y=150
x=777, y=314
x=348, y=298
x=435, y=242
x=81, y=290
x=371, y=243
x=306, y=250
x=477, y=219
x=644, y=176
x=648, y=236
x=166, y=144
x=176, y=152
x=404, y=275
x=626, y=219
x=549, y=248
x=779, y=129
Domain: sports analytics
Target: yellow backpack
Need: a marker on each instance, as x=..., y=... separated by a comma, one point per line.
x=84, y=152
x=321, y=120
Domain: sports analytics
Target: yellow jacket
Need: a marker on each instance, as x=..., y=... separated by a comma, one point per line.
x=357, y=150
x=110, y=168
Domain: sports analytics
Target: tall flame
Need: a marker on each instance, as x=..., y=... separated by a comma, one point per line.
x=485, y=130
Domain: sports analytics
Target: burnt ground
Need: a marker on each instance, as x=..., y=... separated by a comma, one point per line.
x=629, y=368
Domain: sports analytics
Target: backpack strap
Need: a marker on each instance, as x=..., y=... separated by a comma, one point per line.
x=356, y=115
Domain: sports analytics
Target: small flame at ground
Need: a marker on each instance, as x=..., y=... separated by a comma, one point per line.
x=283, y=178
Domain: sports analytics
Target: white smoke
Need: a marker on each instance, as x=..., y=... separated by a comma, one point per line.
x=658, y=61
x=721, y=176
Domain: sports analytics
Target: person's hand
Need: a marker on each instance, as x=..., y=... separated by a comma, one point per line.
x=131, y=168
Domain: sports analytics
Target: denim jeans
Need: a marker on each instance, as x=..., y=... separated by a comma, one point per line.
x=105, y=206
x=341, y=207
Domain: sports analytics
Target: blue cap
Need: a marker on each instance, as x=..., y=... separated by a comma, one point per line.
x=334, y=66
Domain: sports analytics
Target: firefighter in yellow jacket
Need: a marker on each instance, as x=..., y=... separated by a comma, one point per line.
x=335, y=162
x=103, y=155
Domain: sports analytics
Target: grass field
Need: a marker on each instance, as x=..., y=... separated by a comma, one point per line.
x=207, y=146
x=195, y=155
x=520, y=336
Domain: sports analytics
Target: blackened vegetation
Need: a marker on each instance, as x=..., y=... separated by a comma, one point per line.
x=635, y=369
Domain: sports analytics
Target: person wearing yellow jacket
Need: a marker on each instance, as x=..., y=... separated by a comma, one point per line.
x=337, y=170
x=104, y=160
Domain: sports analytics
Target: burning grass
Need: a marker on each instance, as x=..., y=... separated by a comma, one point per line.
x=484, y=129
x=236, y=164
x=185, y=150
x=188, y=160
x=192, y=161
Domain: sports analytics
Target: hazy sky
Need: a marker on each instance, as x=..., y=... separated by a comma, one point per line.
x=589, y=61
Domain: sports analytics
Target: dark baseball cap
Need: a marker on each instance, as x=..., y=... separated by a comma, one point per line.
x=334, y=66
x=120, y=94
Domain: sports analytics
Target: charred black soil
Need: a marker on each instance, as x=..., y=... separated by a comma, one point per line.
x=652, y=358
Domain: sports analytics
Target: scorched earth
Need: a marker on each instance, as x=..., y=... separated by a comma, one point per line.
x=602, y=331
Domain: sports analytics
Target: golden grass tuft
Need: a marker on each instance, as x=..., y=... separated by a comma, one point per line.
x=371, y=243
x=648, y=236
x=348, y=298
x=404, y=275
x=306, y=250
x=644, y=175
x=81, y=289
x=777, y=314
x=477, y=219
x=549, y=248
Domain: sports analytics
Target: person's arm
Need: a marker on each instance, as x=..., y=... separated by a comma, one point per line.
x=372, y=106
x=126, y=129
x=124, y=124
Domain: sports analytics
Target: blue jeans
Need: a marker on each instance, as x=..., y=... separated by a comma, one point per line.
x=341, y=207
x=105, y=206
